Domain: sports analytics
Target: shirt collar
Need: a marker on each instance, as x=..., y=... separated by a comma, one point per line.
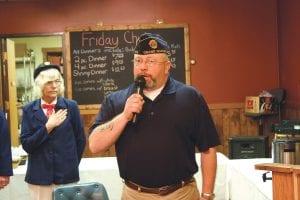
x=170, y=86
x=53, y=102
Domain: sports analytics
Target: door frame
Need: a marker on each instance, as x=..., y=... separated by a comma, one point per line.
x=4, y=74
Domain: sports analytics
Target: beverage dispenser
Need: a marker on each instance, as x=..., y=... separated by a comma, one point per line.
x=286, y=142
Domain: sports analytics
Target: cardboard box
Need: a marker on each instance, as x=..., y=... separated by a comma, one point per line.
x=260, y=105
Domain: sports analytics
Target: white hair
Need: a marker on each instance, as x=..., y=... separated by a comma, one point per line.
x=44, y=77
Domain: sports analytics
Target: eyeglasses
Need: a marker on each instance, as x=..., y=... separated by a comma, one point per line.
x=148, y=62
x=50, y=83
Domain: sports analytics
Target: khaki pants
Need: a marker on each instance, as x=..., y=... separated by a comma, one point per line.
x=41, y=192
x=188, y=192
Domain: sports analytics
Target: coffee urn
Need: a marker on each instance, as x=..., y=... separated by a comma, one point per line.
x=286, y=142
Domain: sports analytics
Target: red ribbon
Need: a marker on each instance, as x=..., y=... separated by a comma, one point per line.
x=49, y=107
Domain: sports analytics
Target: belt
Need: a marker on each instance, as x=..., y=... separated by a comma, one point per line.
x=161, y=190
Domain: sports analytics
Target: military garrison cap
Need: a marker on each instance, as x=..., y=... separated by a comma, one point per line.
x=149, y=43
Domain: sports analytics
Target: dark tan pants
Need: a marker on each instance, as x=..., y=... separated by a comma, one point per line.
x=188, y=192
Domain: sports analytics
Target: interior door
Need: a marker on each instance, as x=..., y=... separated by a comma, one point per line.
x=11, y=102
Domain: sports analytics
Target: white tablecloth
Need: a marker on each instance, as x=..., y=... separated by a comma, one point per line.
x=230, y=180
x=246, y=182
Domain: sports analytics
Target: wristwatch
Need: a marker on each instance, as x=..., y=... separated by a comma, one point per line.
x=208, y=196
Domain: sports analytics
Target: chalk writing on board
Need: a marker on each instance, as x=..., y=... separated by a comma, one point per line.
x=102, y=60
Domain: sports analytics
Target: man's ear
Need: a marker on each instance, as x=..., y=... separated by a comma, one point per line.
x=168, y=67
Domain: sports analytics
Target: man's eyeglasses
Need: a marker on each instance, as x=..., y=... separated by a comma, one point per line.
x=148, y=62
x=50, y=83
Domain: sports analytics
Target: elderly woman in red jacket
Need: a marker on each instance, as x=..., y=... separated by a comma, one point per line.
x=5, y=152
x=52, y=134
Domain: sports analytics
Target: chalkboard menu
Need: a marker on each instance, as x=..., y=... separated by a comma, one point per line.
x=100, y=59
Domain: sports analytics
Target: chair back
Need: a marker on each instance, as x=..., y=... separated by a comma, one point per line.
x=81, y=191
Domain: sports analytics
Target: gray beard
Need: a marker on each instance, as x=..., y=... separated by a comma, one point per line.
x=150, y=85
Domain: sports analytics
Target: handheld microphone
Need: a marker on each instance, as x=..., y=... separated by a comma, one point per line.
x=140, y=83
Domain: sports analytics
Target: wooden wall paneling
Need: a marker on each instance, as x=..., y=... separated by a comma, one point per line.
x=226, y=130
x=243, y=122
x=251, y=126
x=231, y=123
x=229, y=119
x=217, y=116
x=291, y=112
x=235, y=121
x=88, y=117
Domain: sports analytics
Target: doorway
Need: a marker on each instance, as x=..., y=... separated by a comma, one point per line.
x=20, y=56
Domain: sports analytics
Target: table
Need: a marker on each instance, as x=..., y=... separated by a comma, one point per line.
x=286, y=180
x=105, y=171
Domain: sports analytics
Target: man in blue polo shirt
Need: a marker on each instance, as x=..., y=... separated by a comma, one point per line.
x=155, y=132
